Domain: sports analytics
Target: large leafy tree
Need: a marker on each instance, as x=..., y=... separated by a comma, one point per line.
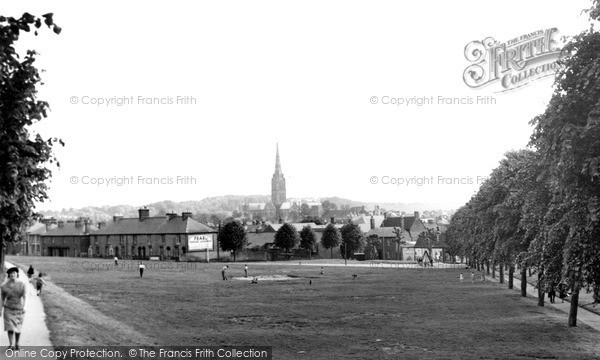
x=308, y=239
x=567, y=135
x=24, y=157
x=353, y=239
x=286, y=237
x=232, y=237
x=330, y=238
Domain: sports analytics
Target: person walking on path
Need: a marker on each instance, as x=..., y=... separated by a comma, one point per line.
x=116, y=261
x=246, y=270
x=224, y=272
x=14, y=300
x=142, y=267
x=552, y=294
x=39, y=282
x=322, y=271
x=30, y=272
x=461, y=277
x=472, y=277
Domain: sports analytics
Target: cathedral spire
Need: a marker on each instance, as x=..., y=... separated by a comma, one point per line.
x=278, y=186
x=277, y=162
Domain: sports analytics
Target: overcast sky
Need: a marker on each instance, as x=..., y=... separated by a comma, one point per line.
x=303, y=74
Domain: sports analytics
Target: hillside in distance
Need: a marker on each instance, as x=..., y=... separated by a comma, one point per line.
x=219, y=205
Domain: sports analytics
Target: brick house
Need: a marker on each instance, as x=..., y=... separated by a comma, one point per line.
x=68, y=239
x=166, y=237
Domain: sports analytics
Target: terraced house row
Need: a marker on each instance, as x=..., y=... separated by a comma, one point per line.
x=165, y=237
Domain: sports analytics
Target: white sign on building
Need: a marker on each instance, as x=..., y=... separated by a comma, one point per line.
x=200, y=242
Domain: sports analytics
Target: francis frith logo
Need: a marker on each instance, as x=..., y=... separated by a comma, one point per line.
x=513, y=63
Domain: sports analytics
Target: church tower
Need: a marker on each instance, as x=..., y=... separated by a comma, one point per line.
x=277, y=185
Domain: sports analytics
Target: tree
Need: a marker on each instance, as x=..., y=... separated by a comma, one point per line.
x=567, y=136
x=305, y=210
x=24, y=158
x=352, y=238
x=232, y=237
x=286, y=237
x=328, y=205
x=399, y=240
x=331, y=238
x=371, y=248
x=430, y=236
x=308, y=239
x=215, y=219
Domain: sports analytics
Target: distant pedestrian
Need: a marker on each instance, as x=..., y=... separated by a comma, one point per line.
x=483, y=276
x=461, y=277
x=322, y=271
x=141, y=266
x=14, y=300
x=552, y=294
x=246, y=270
x=30, y=272
x=39, y=282
x=224, y=272
x=472, y=277
x=116, y=261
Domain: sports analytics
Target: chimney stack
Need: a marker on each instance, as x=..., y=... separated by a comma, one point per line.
x=144, y=213
x=116, y=218
x=101, y=224
x=61, y=224
x=417, y=215
x=87, y=226
x=372, y=223
x=171, y=215
x=185, y=215
x=49, y=223
x=333, y=219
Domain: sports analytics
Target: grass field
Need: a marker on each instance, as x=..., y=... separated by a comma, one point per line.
x=383, y=313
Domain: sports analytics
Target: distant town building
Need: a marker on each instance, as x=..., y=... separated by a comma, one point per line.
x=411, y=223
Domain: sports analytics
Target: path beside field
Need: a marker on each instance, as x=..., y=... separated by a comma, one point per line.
x=34, y=332
x=585, y=316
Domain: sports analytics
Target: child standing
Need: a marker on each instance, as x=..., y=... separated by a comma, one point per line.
x=39, y=282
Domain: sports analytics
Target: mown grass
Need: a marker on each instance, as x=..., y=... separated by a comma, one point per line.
x=384, y=313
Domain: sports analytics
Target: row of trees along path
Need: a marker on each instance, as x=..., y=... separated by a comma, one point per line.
x=540, y=208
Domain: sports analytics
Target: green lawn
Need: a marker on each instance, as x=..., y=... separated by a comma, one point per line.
x=384, y=313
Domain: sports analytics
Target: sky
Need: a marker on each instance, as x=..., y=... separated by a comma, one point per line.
x=184, y=100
